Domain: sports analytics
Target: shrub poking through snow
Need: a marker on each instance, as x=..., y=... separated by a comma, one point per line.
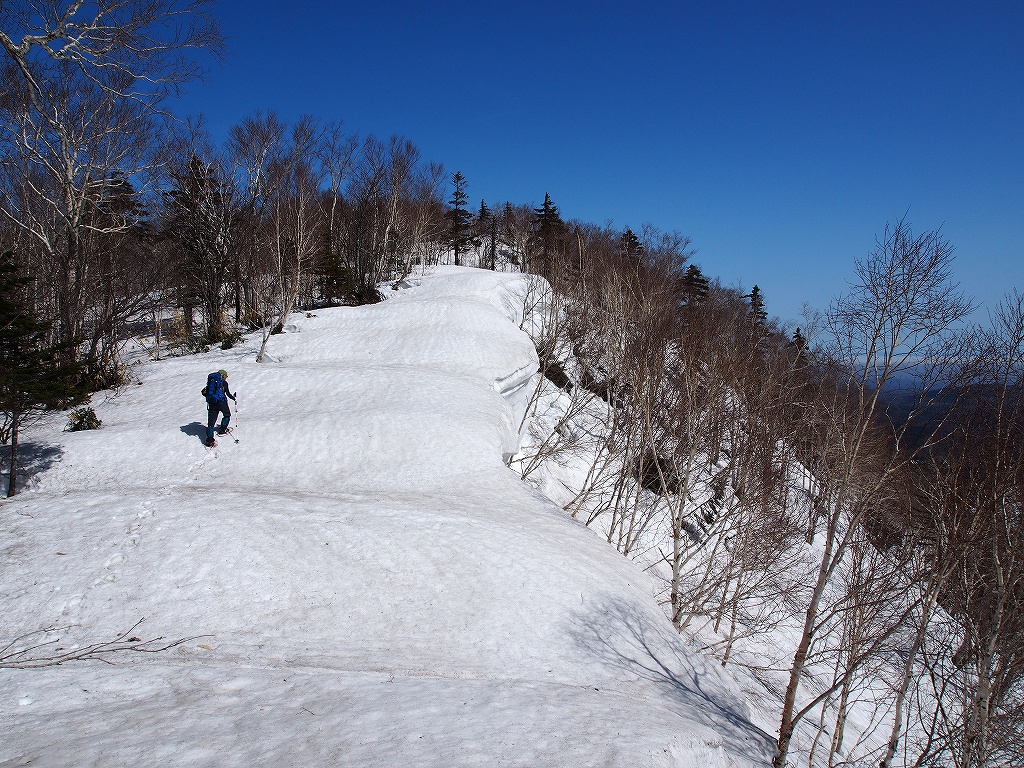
x=232, y=337
x=83, y=418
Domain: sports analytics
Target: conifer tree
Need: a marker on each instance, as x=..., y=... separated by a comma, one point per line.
x=757, y=314
x=798, y=346
x=693, y=286
x=484, y=224
x=483, y=217
x=459, y=219
x=548, y=226
x=492, y=239
x=630, y=244
x=31, y=375
x=799, y=342
x=203, y=214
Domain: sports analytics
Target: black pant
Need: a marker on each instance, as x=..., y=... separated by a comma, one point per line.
x=216, y=408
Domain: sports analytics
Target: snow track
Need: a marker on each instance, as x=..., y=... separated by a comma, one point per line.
x=372, y=585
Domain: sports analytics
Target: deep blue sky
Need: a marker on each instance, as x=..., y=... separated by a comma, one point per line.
x=780, y=136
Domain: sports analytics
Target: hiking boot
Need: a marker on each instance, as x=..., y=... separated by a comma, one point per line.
x=210, y=442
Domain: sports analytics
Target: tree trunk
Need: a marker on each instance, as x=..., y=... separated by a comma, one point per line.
x=901, y=694
x=788, y=722
x=839, y=733
x=979, y=720
x=12, y=477
x=156, y=331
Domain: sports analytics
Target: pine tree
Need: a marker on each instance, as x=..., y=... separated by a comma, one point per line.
x=32, y=378
x=483, y=218
x=693, y=286
x=492, y=239
x=459, y=219
x=630, y=244
x=203, y=218
x=756, y=313
x=482, y=226
x=799, y=342
x=548, y=227
x=799, y=346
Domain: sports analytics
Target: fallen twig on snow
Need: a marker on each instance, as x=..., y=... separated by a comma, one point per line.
x=29, y=655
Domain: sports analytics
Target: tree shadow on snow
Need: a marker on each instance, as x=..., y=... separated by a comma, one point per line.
x=195, y=429
x=620, y=636
x=33, y=460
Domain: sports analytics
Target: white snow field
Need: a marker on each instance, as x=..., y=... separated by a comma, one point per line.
x=364, y=581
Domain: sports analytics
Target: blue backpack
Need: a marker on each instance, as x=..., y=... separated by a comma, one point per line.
x=214, y=389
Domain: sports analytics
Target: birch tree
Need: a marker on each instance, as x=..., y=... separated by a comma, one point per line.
x=894, y=324
x=82, y=87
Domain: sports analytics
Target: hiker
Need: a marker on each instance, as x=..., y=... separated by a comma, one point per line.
x=217, y=394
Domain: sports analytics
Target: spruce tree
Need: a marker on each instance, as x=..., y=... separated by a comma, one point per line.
x=492, y=240
x=483, y=218
x=799, y=345
x=630, y=244
x=459, y=219
x=799, y=342
x=32, y=377
x=756, y=313
x=203, y=215
x=694, y=286
x=508, y=232
x=548, y=227
x=483, y=226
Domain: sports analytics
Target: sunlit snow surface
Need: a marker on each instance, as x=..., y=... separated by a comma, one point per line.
x=365, y=580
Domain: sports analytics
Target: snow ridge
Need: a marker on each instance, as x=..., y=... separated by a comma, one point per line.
x=366, y=582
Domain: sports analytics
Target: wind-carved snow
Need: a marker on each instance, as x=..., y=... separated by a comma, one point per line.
x=366, y=582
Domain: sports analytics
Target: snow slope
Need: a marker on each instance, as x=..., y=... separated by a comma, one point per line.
x=371, y=584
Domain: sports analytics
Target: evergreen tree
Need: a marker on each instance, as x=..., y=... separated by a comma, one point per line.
x=483, y=218
x=459, y=219
x=693, y=286
x=492, y=239
x=630, y=244
x=508, y=232
x=798, y=345
x=548, y=227
x=203, y=217
x=799, y=342
x=32, y=377
x=483, y=225
x=756, y=313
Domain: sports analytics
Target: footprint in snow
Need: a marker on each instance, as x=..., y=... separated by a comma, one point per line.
x=115, y=559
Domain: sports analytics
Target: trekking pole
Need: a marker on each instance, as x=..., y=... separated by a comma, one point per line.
x=237, y=410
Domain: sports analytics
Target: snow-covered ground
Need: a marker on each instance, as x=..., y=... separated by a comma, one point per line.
x=363, y=580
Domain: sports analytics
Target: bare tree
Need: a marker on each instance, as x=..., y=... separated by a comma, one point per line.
x=382, y=224
x=294, y=237
x=338, y=155
x=82, y=86
x=895, y=322
x=69, y=175
x=972, y=533
x=142, y=50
